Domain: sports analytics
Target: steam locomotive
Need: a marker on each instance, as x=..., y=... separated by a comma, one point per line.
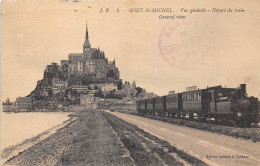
x=222, y=104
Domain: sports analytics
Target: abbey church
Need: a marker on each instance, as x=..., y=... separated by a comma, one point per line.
x=72, y=83
x=81, y=69
x=91, y=62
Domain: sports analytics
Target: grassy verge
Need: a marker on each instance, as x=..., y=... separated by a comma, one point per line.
x=147, y=149
x=244, y=133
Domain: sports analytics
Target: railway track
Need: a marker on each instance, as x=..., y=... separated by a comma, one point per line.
x=252, y=133
x=222, y=122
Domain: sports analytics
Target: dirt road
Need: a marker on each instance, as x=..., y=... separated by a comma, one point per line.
x=211, y=148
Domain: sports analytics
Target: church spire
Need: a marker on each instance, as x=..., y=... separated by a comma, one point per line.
x=86, y=30
x=86, y=46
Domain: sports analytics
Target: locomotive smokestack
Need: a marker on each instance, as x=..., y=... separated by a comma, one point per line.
x=243, y=88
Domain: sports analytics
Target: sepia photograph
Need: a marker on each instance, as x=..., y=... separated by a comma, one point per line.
x=131, y=82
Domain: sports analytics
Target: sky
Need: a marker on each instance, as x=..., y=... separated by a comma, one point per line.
x=204, y=49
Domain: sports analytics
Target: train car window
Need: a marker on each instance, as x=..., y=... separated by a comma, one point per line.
x=199, y=97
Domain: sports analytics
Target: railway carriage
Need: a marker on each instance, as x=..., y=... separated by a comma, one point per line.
x=150, y=106
x=141, y=106
x=192, y=103
x=160, y=105
x=144, y=106
x=174, y=104
x=223, y=104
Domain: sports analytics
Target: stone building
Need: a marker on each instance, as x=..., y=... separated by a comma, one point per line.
x=7, y=106
x=129, y=90
x=24, y=104
x=109, y=87
x=91, y=62
x=15, y=107
x=58, y=85
x=89, y=101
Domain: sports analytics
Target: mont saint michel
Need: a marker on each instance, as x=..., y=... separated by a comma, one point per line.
x=86, y=79
x=130, y=83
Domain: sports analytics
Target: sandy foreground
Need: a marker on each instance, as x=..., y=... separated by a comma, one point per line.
x=86, y=133
x=95, y=137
